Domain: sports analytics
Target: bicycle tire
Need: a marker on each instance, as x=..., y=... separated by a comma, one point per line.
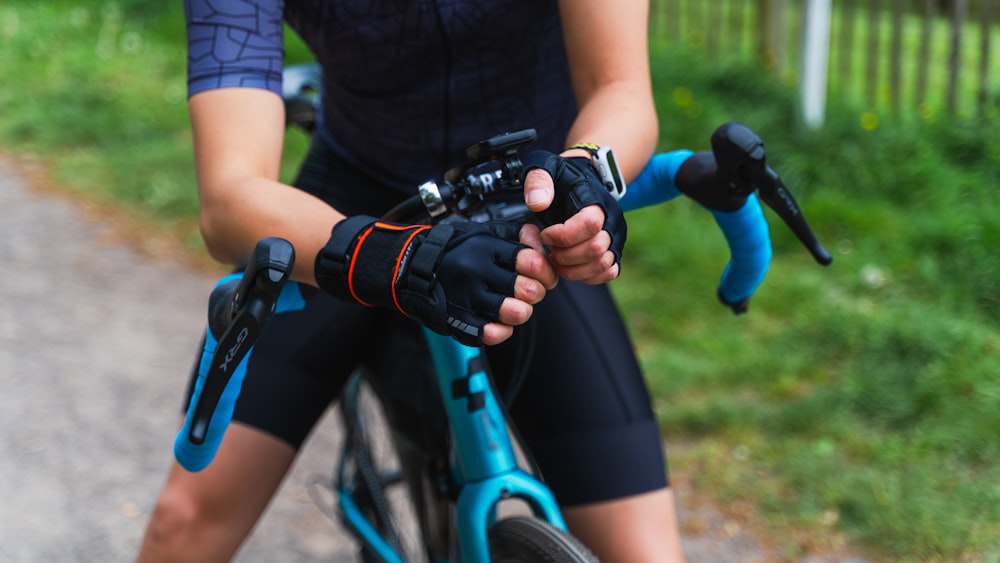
x=525, y=539
x=376, y=474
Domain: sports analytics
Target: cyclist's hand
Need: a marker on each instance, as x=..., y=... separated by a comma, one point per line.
x=536, y=276
x=584, y=226
x=467, y=280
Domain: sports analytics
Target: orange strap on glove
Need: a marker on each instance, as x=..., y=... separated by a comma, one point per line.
x=451, y=277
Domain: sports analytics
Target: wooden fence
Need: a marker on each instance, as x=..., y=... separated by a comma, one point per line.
x=911, y=57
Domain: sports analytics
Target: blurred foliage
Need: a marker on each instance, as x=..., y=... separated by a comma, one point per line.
x=858, y=401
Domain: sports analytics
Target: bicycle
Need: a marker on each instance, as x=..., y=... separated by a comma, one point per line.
x=458, y=480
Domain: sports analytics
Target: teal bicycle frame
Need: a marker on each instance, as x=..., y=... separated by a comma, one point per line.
x=482, y=458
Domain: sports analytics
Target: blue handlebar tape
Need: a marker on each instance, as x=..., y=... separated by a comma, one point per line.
x=197, y=457
x=745, y=229
x=655, y=184
x=749, y=247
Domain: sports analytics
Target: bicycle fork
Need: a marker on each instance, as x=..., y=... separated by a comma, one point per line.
x=483, y=461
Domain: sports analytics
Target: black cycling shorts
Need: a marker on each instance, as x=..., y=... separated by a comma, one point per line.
x=582, y=407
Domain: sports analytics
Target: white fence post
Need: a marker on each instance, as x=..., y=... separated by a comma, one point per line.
x=815, y=62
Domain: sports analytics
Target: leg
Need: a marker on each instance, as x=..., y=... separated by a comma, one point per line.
x=291, y=380
x=205, y=516
x=636, y=529
x=295, y=371
x=586, y=414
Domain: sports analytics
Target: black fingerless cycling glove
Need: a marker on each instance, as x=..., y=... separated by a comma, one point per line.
x=451, y=277
x=577, y=186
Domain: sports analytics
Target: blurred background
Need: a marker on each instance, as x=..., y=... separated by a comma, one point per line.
x=857, y=404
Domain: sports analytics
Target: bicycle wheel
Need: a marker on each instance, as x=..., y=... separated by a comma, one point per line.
x=374, y=474
x=524, y=539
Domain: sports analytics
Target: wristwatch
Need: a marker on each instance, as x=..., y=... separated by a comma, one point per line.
x=603, y=160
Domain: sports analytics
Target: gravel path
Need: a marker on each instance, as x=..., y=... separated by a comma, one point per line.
x=95, y=342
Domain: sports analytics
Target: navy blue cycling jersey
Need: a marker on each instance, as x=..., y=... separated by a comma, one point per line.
x=407, y=84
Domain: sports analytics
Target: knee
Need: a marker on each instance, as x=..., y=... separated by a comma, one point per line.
x=174, y=522
x=186, y=525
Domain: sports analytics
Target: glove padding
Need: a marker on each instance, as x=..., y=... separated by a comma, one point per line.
x=451, y=277
x=577, y=186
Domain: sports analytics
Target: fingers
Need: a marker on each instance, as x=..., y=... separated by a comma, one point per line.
x=535, y=276
x=577, y=249
x=538, y=190
x=533, y=263
x=513, y=312
x=587, y=223
x=495, y=333
x=593, y=273
x=528, y=291
x=580, y=248
x=529, y=236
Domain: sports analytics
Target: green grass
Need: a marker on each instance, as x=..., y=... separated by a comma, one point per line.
x=860, y=400
x=98, y=92
x=864, y=395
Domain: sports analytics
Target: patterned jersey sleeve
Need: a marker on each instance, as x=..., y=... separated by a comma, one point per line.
x=234, y=43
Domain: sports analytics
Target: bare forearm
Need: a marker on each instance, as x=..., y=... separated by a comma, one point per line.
x=231, y=225
x=622, y=116
x=607, y=49
x=238, y=136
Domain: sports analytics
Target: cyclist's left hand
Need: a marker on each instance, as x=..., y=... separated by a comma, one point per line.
x=585, y=229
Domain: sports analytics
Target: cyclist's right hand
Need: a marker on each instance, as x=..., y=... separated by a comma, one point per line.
x=471, y=281
x=584, y=230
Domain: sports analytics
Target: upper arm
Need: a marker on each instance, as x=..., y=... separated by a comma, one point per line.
x=238, y=133
x=235, y=50
x=234, y=43
x=606, y=42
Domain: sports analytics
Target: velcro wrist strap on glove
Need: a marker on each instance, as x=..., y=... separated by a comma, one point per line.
x=451, y=277
x=385, y=247
x=578, y=185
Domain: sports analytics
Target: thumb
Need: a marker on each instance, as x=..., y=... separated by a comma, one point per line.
x=539, y=190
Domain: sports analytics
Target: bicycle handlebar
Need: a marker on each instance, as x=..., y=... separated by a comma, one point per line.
x=724, y=182
x=239, y=308
x=242, y=304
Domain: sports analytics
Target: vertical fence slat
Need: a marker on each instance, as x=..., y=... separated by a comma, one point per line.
x=896, y=55
x=873, y=52
x=771, y=41
x=814, y=61
x=958, y=10
x=673, y=23
x=845, y=46
x=924, y=53
x=653, y=25
x=982, y=98
x=738, y=14
x=712, y=26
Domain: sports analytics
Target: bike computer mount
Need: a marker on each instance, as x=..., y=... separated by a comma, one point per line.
x=494, y=166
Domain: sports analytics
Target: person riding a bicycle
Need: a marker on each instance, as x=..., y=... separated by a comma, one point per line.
x=406, y=87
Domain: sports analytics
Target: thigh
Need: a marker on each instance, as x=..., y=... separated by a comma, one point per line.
x=300, y=363
x=302, y=360
x=584, y=407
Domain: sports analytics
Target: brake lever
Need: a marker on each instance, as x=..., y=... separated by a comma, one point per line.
x=237, y=316
x=740, y=152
